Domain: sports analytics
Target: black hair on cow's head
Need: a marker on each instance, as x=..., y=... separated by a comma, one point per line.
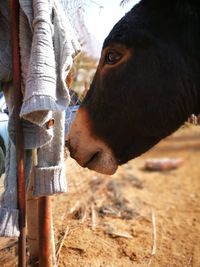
x=146, y=84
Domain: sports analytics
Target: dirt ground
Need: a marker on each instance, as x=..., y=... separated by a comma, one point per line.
x=133, y=218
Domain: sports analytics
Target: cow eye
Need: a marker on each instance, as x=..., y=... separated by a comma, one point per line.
x=112, y=57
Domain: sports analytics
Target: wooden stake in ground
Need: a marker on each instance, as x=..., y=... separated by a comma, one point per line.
x=32, y=218
x=45, y=232
x=16, y=73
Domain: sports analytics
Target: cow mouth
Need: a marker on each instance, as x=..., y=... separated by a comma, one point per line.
x=101, y=160
x=92, y=160
x=87, y=149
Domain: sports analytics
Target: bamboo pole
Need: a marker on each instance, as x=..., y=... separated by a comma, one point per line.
x=14, y=18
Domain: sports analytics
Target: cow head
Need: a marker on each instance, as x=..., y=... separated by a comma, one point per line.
x=143, y=90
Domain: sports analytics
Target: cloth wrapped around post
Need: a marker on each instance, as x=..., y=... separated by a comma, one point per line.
x=48, y=46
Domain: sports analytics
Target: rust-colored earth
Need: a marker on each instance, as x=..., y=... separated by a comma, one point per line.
x=133, y=218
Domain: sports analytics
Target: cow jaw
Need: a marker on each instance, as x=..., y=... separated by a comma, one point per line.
x=87, y=149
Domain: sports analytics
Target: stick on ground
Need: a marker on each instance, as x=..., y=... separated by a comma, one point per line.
x=154, y=232
x=62, y=241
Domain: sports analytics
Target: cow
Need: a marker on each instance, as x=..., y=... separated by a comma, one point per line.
x=146, y=85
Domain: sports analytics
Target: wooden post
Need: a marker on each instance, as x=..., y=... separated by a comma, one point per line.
x=32, y=218
x=44, y=203
x=14, y=18
x=45, y=232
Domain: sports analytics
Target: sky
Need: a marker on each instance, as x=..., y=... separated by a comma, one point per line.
x=99, y=21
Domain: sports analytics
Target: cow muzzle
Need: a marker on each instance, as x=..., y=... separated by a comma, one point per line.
x=87, y=149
